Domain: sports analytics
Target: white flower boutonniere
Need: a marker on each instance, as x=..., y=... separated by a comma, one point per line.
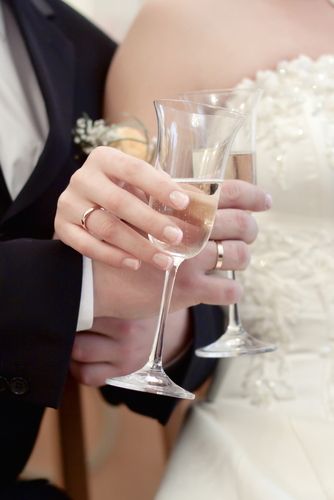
x=129, y=136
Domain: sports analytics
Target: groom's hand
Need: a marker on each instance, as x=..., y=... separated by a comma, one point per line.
x=116, y=347
x=119, y=346
x=127, y=294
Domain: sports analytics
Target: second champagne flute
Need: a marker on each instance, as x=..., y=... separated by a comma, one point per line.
x=235, y=340
x=194, y=141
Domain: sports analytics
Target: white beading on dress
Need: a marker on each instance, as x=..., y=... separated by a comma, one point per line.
x=267, y=432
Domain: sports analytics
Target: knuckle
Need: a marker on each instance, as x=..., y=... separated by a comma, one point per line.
x=86, y=375
x=115, y=202
x=78, y=182
x=163, y=186
x=79, y=353
x=232, y=190
x=99, y=153
x=75, y=179
x=99, y=159
x=243, y=223
x=109, y=228
x=233, y=292
x=243, y=255
x=128, y=331
x=61, y=202
x=185, y=282
x=76, y=351
x=128, y=345
x=64, y=204
x=130, y=166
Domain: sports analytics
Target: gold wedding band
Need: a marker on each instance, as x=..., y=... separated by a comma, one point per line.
x=220, y=256
x=86, y=214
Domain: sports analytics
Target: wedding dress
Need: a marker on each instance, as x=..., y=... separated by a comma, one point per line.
x=266, y=431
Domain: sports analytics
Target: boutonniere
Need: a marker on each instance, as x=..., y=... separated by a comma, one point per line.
x=129, y=136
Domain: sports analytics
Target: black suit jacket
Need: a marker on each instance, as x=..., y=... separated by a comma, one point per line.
x=40, y=279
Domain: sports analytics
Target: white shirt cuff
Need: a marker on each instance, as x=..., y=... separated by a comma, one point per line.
x=86, y=308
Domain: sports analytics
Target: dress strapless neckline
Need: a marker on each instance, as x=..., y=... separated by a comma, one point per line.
x=298, y=63
x=267, y=430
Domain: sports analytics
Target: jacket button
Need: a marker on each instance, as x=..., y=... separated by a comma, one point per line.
x=18, y=386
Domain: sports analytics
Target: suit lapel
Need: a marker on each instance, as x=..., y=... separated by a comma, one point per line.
x=53, y=59
x=5, y=199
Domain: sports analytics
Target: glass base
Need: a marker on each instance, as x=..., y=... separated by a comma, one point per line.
x=151, y=380
x=235, y=342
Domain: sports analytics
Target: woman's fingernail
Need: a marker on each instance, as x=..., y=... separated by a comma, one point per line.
x=162, y=260
x=131, y=263
x=179, y=199
x=269, y=201
x=172, y=234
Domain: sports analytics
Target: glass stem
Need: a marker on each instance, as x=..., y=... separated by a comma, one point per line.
x=233, y=309
x=155, y=358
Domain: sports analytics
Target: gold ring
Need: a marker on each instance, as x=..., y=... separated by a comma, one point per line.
x=86, y=214
x=220, y=256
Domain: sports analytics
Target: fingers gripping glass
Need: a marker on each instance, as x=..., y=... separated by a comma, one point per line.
x=194, y=141
x=236, y=341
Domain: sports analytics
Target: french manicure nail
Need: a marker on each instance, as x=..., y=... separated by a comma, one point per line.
x=162, y=260
x=172, y=234
x=180, y=200
x=131, y=263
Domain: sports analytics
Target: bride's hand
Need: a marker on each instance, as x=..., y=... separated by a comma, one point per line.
x=120, y=184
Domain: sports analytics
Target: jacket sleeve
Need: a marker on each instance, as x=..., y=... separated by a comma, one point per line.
x=189, y=372
x=40, y=286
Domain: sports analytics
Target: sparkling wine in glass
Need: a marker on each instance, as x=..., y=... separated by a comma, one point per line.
x=241, y=165
x=193, y=146
x=196, y=220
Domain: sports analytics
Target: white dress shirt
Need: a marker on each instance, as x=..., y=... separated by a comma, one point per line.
x=23, y=116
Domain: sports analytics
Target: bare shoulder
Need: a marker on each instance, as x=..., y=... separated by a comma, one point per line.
x=207, y=41
x=190, y=9
x=156, y=59
x=174, y=46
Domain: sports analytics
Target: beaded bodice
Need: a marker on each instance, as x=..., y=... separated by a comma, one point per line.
x=267, y=430
x=289, y=286
x=291, y=278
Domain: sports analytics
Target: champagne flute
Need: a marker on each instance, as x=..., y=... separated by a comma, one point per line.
x=193, y=145
x=236, y=341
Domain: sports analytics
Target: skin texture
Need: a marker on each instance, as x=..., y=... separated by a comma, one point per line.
x=175, y=51
x=172, y=55
x=125, y=316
